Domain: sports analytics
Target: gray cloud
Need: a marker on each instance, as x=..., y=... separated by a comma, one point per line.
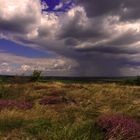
x=17, y=24
x=131, y=10
x=18, y=18
x=109, y=49
x=128, y=9
x=102, y=36
x=100, y=7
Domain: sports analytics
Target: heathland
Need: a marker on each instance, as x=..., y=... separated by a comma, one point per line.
x=60, y=110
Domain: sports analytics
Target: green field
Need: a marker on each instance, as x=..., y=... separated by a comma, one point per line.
x=69, y=111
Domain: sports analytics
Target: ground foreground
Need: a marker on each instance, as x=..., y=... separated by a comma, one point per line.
x=69, y=111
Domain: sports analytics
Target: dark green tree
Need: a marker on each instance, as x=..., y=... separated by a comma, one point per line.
x=36, y=76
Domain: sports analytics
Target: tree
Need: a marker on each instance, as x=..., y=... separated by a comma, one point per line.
x=36, y=75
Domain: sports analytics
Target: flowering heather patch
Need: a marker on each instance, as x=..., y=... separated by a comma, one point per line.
x=7, y=103
x=15, y=104
x=119, y=126
x=52, y=100
x=24, y=105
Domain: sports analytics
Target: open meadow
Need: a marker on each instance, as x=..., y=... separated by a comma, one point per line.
x=56, y=110
x=69, y=69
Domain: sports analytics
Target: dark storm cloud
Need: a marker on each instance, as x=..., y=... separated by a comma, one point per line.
x=126, y=38
x=100, y=7
x=78, y=32
x=43, y=32
x=102, y=58
x=130, y=14
x=71, y=42
x=90, y=29
x=132, y=10
x=101, y=64
x=17, y=25
x=127, y=9
x=102, y=36
x=109, y=49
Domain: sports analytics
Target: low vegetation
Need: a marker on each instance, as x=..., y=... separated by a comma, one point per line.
x=69, y=111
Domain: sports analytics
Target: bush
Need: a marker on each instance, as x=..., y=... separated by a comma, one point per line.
x=36, y=75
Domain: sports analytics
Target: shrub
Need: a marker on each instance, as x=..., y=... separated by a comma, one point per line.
x=36, y=75
x=119, y=126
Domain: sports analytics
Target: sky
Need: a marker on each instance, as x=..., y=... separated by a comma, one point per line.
x=83, y=38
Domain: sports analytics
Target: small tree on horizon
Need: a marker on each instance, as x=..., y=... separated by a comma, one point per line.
x=36, y=75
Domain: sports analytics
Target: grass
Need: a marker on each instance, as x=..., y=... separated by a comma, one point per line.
x=7, y=125
x=65, y=111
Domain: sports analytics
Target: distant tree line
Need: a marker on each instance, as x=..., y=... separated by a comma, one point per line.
x=134, y=81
